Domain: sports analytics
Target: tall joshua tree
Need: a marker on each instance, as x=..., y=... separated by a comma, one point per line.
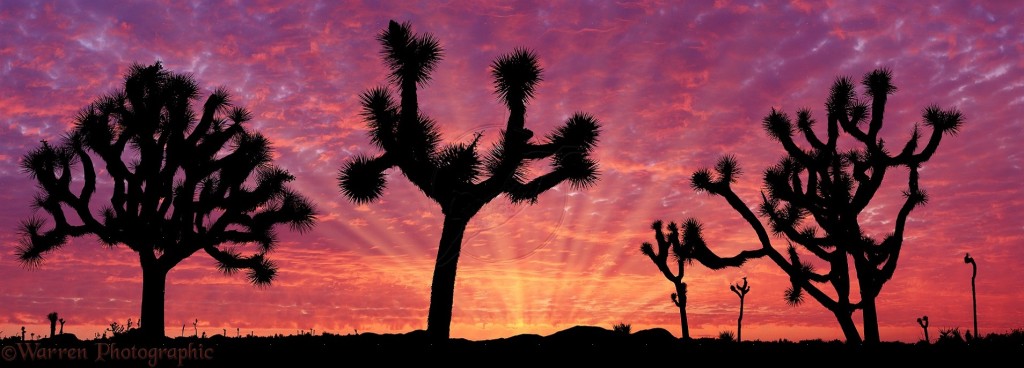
x=813, y=196
x=454, y=175
x=741, y=291
x=179, y=185
x=684, y=251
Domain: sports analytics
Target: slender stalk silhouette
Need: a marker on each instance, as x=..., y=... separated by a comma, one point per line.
x=814, y=195
x=741, y=291
x=923, y=321
x=452, y=175
x=61, y=326
x=53, y=323
x=684, y=251
x=974, y=293
x=179, y=185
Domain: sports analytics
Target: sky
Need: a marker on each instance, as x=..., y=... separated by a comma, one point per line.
x=676, y=85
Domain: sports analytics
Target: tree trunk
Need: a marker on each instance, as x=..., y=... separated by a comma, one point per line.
x=739, y=323
x=681, y=302
x=154, y=280
x=974, y=296
x=442, y=287
x=849, y=328
x=871, y=335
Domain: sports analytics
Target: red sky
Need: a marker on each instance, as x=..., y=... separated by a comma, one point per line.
x=676, y=86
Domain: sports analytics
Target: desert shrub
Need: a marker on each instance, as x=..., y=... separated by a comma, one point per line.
x=623, y=328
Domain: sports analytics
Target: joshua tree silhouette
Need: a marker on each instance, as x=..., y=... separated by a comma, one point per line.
x=832, y=186
x=684, y=251
x=923, y=321
x=61, y=326
x=974, y=293
x=53, y=322
x=741, y=291
x=179, y=185
x=453, y=175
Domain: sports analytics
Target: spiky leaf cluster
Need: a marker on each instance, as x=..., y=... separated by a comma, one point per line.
x=457, y=175
x=181, y=182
